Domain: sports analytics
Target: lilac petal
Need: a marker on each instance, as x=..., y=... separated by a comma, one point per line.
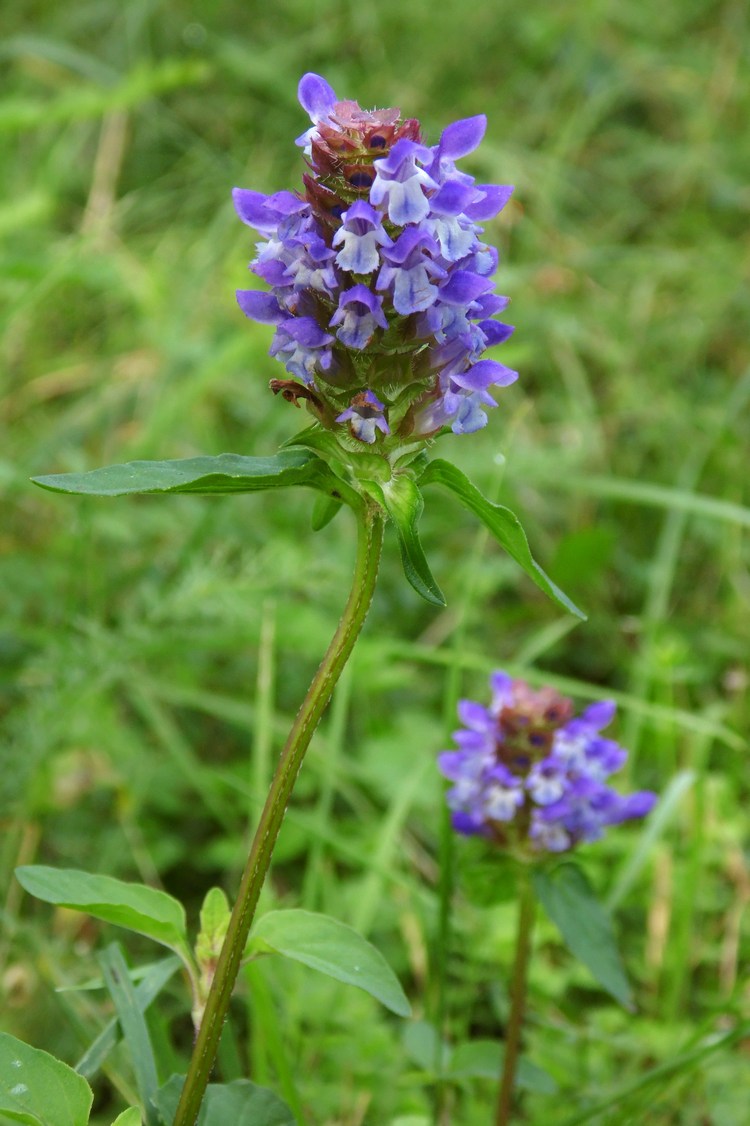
x=251, y=208
x=491, y=202
x=491, y=303
x=306, y=331
x=452, y=199
x=316, y=96
x=600, y=714
x=639, y=804
x=398, y=159
x=463, y=287
x=470, y=417
x=260, y=306
x=496, y=332
x=501, y=684
x=462, y=137
x=484, y=374
x=474, y=715
x=467, y=824
x=412, y=291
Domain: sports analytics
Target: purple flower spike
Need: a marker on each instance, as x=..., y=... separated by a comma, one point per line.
x=530, y=776
x=378, y=276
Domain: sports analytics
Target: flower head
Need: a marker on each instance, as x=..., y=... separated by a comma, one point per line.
x=529, y=774
x=380, y=291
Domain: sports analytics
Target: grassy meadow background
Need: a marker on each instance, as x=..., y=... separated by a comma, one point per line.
x=153, y=651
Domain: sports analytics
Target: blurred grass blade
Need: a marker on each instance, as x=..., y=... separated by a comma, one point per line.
x=654, y=826
x=82, y=103
x=145, y=992
x=504, y=525
x=133, y=1026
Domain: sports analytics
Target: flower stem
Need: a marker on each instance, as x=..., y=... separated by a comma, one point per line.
x=526, y=910
x=369, y=544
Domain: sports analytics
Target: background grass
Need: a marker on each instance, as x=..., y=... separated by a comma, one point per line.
x=153, y=652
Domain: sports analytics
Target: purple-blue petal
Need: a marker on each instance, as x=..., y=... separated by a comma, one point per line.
x=260, y=306
x=316, y=96
x=491, y=202
x=462, y=137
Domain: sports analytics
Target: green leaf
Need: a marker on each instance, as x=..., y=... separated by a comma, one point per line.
x=227, y=473
x=129, y=1117
x=134, y=906
x=133, y=1025
x=331, y=947
x=37, y=1089
x=504, y=525
x=569, y=900
x=482, y=1059
x=240, y=1103
x=403, y=502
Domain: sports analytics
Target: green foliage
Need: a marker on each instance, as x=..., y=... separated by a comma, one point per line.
x=241, y=1102
x=139, y=908
x=331, y=947
x=505, y=527
x=205, y=476
x=39, y=1090
x=569, y=900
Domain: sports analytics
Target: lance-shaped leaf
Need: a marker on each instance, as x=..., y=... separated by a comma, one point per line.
x=403, y=502
x=227, y=473
x=504, y=525
x=39, y=1090
x=134, y=906
x=569, y=901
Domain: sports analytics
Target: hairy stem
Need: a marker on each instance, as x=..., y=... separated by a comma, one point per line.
x=369, y=544
x=526, y=910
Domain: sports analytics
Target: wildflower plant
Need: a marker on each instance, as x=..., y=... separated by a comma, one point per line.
x=379, y=292
x=530, y=778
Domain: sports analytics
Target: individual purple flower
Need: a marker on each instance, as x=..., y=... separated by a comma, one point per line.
x=359, y=314
x=378, y=275
x=400, y=183
x=530, y=776
x=409, y=272
x=360, y=235
x=365, y=416
x=303, y=346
